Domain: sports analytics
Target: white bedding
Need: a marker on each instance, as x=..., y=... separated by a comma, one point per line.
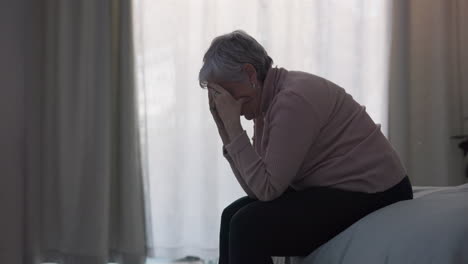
x=431, y=228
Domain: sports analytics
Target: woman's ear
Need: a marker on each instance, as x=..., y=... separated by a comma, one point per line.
x=251, y=72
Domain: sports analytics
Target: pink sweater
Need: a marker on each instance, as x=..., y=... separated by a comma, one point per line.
x=311, y=133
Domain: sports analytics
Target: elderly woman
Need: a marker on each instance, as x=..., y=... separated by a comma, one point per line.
x=318, y=162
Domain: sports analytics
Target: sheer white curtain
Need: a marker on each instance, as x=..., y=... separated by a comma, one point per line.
x=188, y=181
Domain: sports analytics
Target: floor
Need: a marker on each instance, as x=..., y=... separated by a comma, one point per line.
x=163, y=261
x=169, y=261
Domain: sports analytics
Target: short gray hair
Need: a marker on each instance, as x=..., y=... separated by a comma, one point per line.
x=227, y=53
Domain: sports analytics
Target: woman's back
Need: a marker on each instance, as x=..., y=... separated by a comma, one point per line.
x=347, y=149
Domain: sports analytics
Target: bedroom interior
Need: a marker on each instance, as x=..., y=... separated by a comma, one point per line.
x=74, y=177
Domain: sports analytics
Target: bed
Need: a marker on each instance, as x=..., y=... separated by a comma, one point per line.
x=431, y=228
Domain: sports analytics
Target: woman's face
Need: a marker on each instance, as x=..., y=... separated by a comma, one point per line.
x=240, y=90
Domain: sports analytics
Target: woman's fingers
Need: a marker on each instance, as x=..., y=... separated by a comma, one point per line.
x=219, y=123
x=213, y=107
x=211, y=100
x=216, y=87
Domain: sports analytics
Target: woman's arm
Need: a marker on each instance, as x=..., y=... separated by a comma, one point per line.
x=238, y=175
x=225, y=139
x=293, y=128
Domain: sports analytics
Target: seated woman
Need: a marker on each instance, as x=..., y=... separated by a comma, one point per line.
x=318, y=162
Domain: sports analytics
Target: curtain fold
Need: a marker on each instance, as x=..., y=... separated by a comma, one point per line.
x=83, y=190
x=428, y=79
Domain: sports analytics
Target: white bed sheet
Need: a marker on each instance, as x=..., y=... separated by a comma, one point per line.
x=431, y=228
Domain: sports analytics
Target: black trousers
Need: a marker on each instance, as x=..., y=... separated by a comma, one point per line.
x=297, y=222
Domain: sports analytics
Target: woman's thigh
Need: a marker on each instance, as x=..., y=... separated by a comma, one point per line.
x=235, y=206
x=298, y=222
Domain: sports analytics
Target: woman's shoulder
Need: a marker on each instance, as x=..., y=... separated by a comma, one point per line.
x=323, y=96
x=311, y=85
x=314, y=89
x=297, y=74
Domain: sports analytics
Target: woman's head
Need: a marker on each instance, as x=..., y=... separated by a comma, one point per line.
x=239, y=63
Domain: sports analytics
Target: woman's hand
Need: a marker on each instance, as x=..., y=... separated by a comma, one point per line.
x=219, y=123
x=228, y=108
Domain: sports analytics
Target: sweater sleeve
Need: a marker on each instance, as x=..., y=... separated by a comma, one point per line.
x=293, y=128
x=238, y=175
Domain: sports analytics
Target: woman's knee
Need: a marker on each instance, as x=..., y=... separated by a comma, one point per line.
x=247, y=217
x=234, y=207
x=247, y=227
